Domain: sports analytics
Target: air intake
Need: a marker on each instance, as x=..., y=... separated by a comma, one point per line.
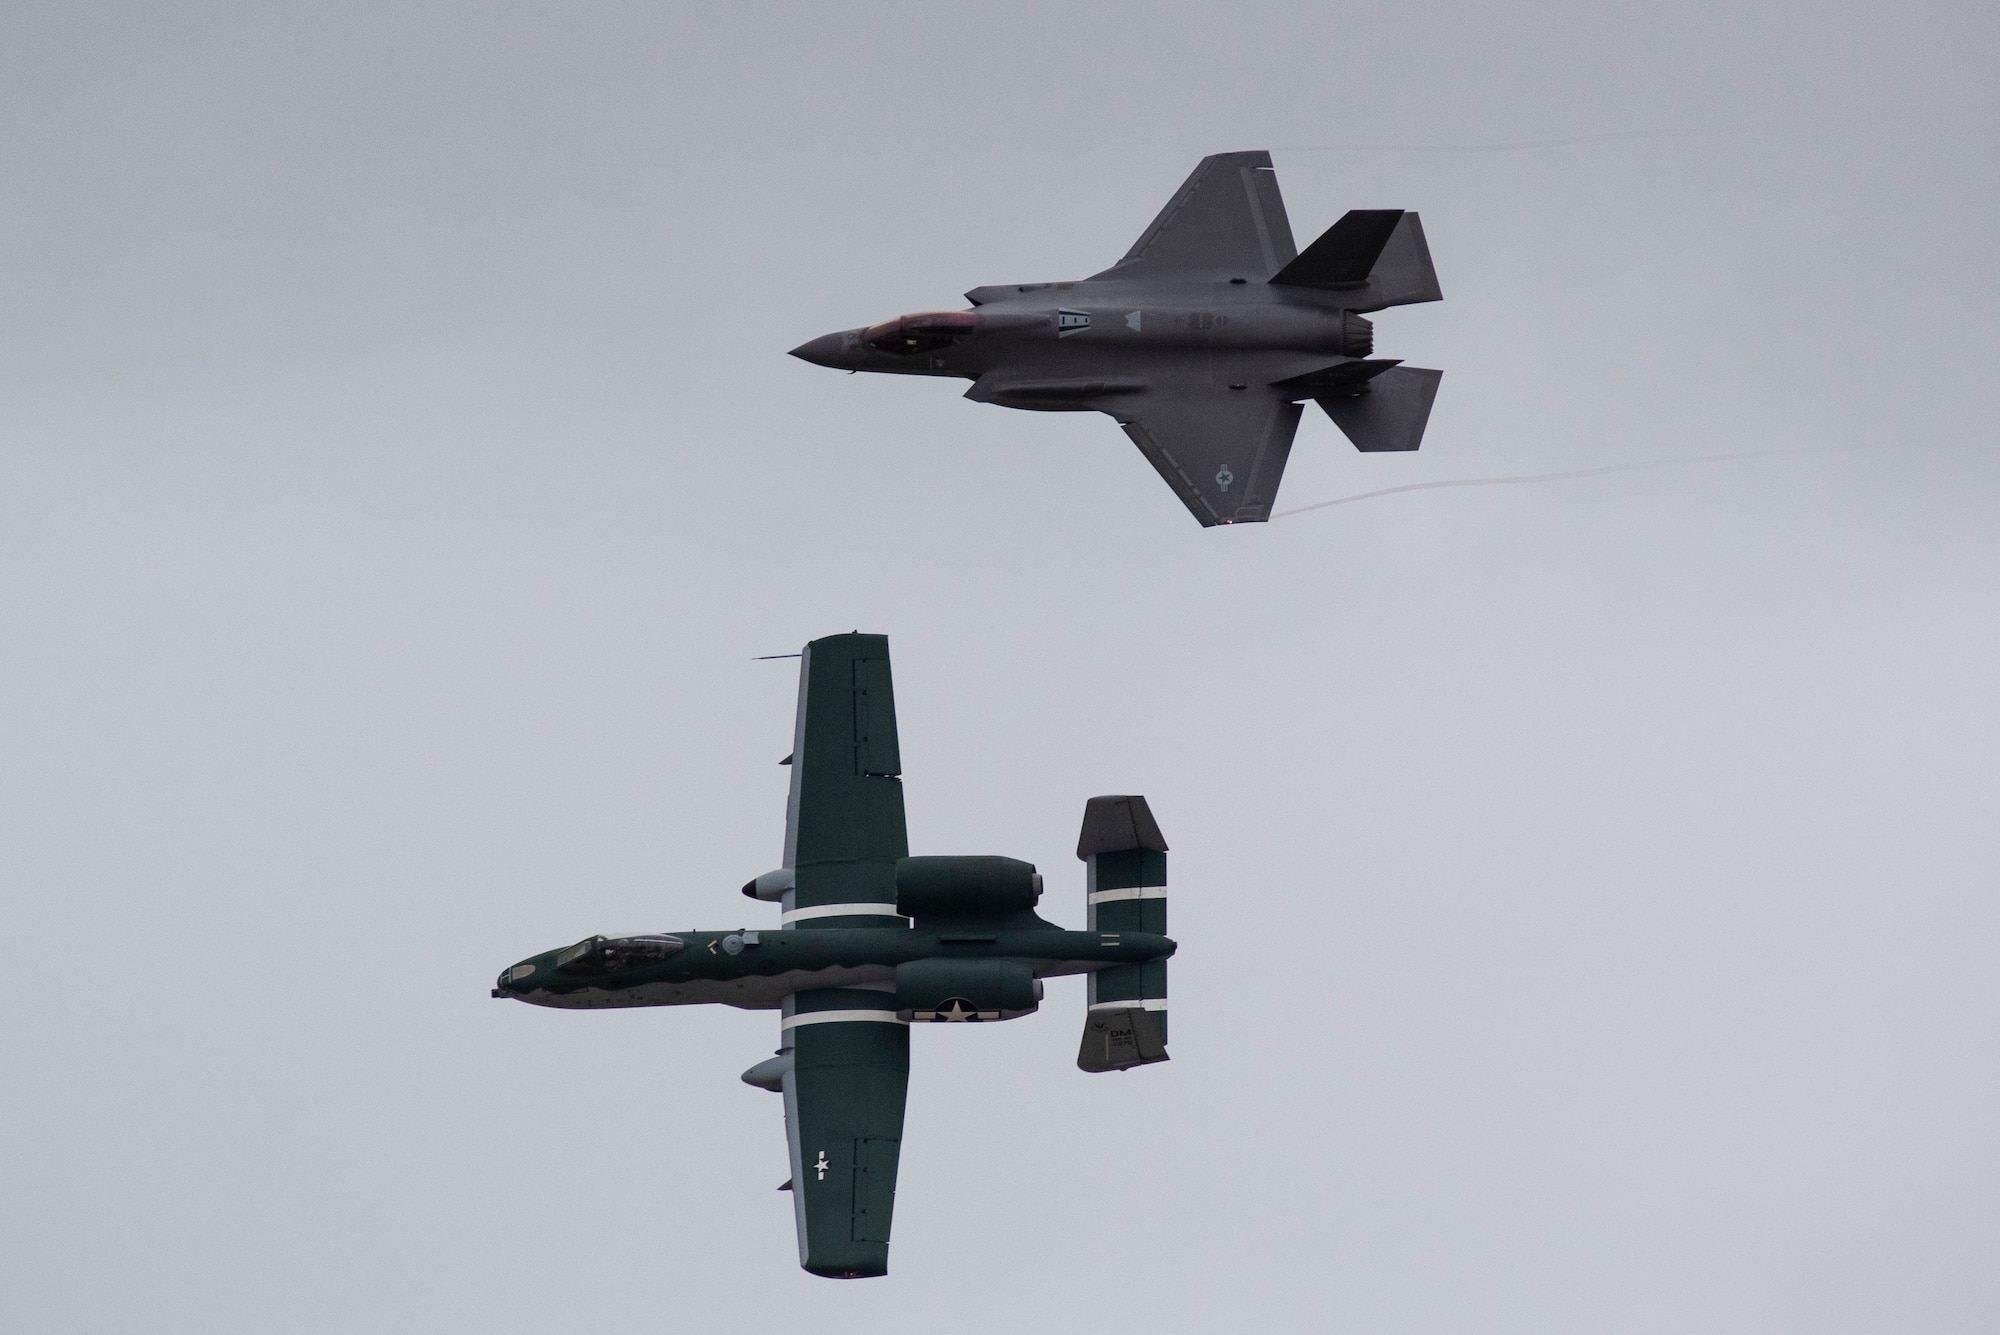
x=1357, y=336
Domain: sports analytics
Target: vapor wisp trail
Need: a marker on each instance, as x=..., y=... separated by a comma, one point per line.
x=1504, y=147
x=1523, y=478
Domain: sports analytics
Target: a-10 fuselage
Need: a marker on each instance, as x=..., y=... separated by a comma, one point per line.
x=757, y=970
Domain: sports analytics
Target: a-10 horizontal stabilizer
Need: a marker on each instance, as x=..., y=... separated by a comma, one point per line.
x=1119, y=1040
x=1391, y=413
x=1121, y=843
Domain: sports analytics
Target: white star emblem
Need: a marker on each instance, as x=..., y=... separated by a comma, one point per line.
x=821, y=1166
x=956, y=1011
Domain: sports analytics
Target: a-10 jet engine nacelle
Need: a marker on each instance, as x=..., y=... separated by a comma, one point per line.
x=940, y=887
x=970, y=899
x=962, y=990
x=987, y=888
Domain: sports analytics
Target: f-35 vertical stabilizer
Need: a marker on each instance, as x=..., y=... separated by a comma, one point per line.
x=1373, y=258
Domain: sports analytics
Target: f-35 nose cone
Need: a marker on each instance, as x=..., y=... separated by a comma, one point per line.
x=821, y=351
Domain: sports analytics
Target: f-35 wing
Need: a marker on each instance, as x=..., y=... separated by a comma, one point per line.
x=844, y=826
x=1227, y=219
x=1222, y=451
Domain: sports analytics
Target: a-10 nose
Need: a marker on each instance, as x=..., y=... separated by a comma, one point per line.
x=513, y=982
x=826, y=350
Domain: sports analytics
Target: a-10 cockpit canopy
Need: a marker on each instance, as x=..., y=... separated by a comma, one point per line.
x=610, y=954
x=927, y=331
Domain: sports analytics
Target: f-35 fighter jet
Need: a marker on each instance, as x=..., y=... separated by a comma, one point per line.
x=1202, y=342
x=871, y=941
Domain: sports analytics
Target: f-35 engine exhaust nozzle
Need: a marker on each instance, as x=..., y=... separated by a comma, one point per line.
x=1357, y=335
x=1127, y=857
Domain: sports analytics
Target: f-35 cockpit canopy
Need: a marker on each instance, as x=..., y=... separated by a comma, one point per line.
x=907, y=335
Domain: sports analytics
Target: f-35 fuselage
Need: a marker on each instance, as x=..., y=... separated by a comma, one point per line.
x=1070, y=347
x=1201, y=342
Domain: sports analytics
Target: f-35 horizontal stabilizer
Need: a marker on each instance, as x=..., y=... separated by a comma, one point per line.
x=1378, y=255
x=1342, y=378
x=1391, y=414
x=1119, y=1040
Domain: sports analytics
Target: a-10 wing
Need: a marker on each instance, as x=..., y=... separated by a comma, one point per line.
x=844, y=1098
x=849, y=1069
x=844, y=826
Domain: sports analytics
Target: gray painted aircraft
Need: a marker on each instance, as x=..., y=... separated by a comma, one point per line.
x=1202, y=342
x=871, y=941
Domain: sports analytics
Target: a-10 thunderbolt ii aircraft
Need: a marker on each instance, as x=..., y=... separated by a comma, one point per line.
x=1202, y=342
x=871, y=941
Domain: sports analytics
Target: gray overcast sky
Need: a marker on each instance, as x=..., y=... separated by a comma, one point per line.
x=1587, y=891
